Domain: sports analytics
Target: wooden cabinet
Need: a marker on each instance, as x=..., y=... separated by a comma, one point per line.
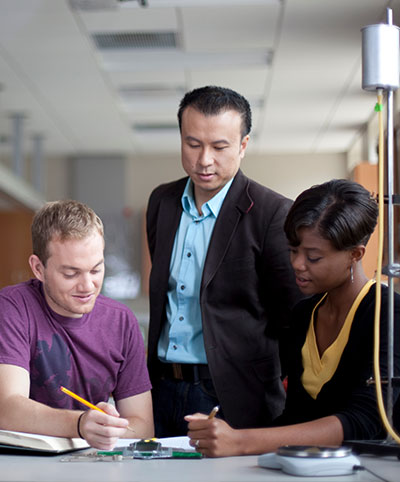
x=367, y=175
x=15, y=246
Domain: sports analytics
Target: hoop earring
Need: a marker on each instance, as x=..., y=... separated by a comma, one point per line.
x=351, y=274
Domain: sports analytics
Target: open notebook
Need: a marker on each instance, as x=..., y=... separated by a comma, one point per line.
x=19, y=441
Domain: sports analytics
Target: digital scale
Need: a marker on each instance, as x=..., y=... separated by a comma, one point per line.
x=311, y=460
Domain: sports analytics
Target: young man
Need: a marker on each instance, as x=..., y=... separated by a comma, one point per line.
x=57, y=330
x=221, y=284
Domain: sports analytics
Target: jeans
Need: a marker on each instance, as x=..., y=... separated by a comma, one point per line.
x=173, y=399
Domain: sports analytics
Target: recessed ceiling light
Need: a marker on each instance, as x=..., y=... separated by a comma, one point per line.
x=195, y=3
x=128, y=60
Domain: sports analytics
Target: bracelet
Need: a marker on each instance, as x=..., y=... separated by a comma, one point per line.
x=78, y=424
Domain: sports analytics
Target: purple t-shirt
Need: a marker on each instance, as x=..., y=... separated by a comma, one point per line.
x=98, y=355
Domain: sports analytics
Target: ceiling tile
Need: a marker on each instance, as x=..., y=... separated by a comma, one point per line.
x=221, y=29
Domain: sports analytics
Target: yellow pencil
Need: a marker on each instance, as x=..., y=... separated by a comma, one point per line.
x=213, y=412
x=85, y=402
x=80, y=399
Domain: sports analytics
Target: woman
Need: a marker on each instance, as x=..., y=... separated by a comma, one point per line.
x=331, y=337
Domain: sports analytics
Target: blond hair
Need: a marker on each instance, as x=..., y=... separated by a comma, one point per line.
x=66, y=219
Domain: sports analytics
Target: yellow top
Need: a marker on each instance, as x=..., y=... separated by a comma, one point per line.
x=319, y=370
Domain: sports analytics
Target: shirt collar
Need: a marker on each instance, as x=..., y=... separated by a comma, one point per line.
x=212, y=206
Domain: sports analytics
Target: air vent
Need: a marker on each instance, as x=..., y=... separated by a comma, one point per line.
x=88, y=5
x=135, y=40
x=150, y=127
x=152, y=91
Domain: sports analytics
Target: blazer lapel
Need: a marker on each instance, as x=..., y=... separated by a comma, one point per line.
x=236, y=204
x=170, y=213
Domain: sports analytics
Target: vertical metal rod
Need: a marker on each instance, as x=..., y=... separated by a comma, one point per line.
x=390, y=224
x=390, y=170
x=18, y=164
x=389, y=16
x=37, y=162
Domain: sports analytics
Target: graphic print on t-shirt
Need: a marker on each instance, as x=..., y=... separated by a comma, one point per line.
x=50, y=369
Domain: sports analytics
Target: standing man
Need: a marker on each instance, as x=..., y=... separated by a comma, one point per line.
x=57, y=330
x=221, y=284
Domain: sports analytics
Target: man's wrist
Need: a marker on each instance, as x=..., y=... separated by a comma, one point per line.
x=78, y=428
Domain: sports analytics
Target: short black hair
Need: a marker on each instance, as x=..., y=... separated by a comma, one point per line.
x=211, y=100
x=343, y=211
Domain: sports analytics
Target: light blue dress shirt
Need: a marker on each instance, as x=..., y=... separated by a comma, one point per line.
x=181, y=339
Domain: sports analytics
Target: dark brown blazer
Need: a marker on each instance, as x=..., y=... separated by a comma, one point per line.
x=246, y=293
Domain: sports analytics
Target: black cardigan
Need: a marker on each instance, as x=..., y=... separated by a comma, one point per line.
x=346, y=395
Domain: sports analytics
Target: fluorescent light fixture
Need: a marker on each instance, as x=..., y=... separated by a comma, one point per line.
x=195, y=3
x=87, y=5
x=120, y=61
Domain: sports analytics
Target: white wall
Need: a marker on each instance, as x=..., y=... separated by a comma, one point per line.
x=57, y=182
x=288, y=174
x=291, y=174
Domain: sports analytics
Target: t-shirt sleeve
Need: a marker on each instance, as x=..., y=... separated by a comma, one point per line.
x=14, y=332
x=133, y=377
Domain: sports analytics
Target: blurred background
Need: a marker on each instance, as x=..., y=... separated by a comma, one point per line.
x=89, y=91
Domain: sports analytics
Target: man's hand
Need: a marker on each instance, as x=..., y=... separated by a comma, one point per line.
x=212, y=437
x=102, y=430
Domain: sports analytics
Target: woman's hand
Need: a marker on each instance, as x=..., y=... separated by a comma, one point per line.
x=213, y=437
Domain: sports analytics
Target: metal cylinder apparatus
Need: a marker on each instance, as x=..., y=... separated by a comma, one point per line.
x=380, y=57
